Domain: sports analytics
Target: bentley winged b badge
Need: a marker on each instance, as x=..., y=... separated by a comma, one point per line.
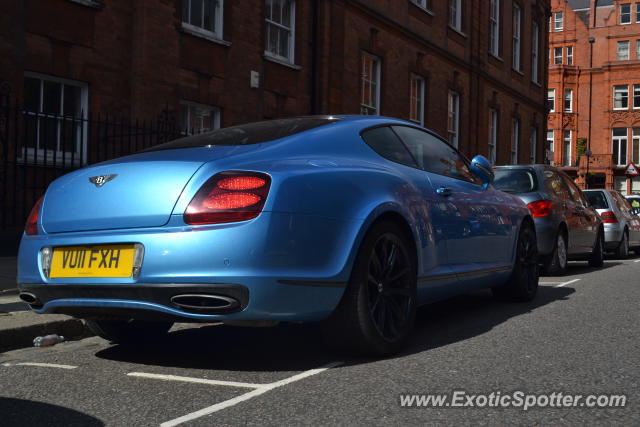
x=101, y=180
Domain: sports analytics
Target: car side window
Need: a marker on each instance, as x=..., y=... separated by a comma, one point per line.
x=435, y=155
x=574, y=191
x=554, y=185
x=621, y=202
x=387, y=144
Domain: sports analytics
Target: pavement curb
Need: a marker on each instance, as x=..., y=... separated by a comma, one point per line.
x=22, y=336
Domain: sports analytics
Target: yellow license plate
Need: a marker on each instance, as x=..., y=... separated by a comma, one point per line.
x=92, y=261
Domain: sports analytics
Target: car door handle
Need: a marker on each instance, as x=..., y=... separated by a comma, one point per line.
x=444, y=192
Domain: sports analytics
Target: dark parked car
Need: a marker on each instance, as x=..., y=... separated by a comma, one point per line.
x=566, y=225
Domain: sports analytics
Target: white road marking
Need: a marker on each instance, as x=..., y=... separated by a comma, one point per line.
x=194, y=380
x=566, y=283
x=549, y=283
x=260, y=389
x=638, y=260
x=43, y=365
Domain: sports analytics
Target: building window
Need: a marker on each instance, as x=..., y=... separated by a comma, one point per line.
x=623, y=50
x=635, y=145
x=551, y=100
x=637, y=12
x=535, y=47
x=533, y=144
x=558, y=19
x=566, y=149
x=494, y=27
x=619, y=138
x=425, y=4
x=197, y=118
x=620, y=97
x=370, y=85
x=569, y=55
x=416, y=97
x=515, y=140
x=455, y=14
x=550, y=145
x=557, y=56
x=280, y=38
x=638, y=47
x=55, y=114
x=625, y=14
x=493, y=135
x=568, y=100
x=453, y=121
x=203, y=15
x=517, y=20
x=636, y=96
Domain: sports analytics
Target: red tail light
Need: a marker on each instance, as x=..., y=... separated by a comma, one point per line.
x=31, y=226
x=229, y=197
x=608, y=217
x=540, y=208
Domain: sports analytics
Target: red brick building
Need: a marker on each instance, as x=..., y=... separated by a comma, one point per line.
x=594, y=90
x=472, y=70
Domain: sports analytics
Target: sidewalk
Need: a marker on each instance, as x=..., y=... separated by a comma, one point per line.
x=18, y=324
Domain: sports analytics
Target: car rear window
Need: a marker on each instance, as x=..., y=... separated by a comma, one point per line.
x=515, y=180
x=597, y=199
x=250, y=133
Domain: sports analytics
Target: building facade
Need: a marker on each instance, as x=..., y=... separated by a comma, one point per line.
x=594, y=91
x=472, y=70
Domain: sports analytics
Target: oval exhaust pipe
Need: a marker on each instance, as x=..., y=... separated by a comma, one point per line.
x=28, y=297
x=204, y=302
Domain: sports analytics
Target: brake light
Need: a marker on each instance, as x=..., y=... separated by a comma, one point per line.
x=31, y=227
x=228, y=197
x=540, y=208
x=608, y=217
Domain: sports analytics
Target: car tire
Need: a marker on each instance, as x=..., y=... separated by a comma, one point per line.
x=129, y=331
x=556, y=263
x=622, y=251
x=377, y=311
x=597, y=255
x=523, y=283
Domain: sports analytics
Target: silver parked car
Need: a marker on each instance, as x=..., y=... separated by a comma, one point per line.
x=621, y=225
x=566, y=226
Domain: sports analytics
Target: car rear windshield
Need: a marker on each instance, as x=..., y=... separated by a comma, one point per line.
x=250, y=133
x=597, y=199
x=515, y=180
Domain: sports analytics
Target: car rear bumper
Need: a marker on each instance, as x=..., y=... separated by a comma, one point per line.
x=612, y=236
x=546, y=232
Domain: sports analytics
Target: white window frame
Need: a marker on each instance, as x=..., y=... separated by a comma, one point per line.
x=424, y=4
x=569, y=55
x=417, y=101
x=550, y=144
x=636, y=96
x=637, y=12
x=568, y=98
x=217, y=7
x=624, y=21
x=623, y=91
x=621, y=142
x=533, y=144
x=517, y=37
x=535, y=52
x=290, y=58
x=494, y=27
x=515, y=140
x=635, y=144
x=373, y=91
x=558, y=21
x=622, y=50
x=557, y=59
x=567, y=137
x=45, y=155
x=453, y=118
x=455, y=14
x=552, y=92
x=215, y=121
x=493, y=136
x=638, y=44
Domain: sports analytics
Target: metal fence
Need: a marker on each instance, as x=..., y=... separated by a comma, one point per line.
x=37, y=147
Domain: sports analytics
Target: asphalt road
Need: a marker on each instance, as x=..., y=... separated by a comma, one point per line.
x=580, y=336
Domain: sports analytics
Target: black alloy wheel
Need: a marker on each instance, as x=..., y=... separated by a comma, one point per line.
x=523, y=283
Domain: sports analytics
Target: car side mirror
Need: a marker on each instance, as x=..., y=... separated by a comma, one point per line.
x=481, y=168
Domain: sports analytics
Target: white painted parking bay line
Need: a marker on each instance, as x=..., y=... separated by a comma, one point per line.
x=638, y=260
x=249, y=395
x=43, y=365
x=193, y=380
x=566, y=283
x=549, y=283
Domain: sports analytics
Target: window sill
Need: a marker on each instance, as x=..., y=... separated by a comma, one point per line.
x=89, y=3
x=458, y=31
x=496, y=57
x=203, y=34
x=424, y=9
x=536, y=83
x=517, y=71
x=269, y=57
